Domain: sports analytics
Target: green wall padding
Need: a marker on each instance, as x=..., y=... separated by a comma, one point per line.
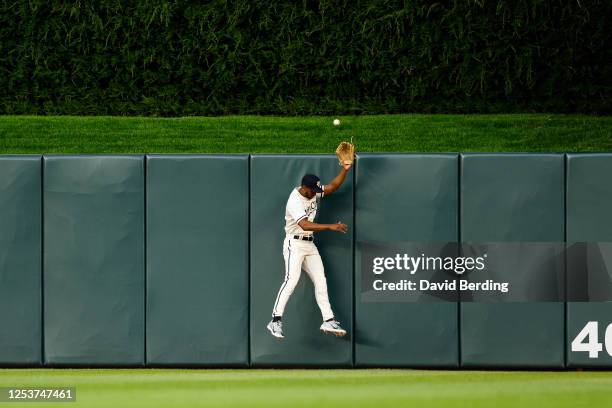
x=512, y=198
x=210, y=229
x=197, y=260
x=405, y=198
x=272, y=179
x=20, y=260
x=94, y=260
x=589, y=219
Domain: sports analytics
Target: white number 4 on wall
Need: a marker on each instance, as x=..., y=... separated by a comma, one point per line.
x=588, y=340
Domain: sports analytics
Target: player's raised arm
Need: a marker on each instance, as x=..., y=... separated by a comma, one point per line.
x=337, y=181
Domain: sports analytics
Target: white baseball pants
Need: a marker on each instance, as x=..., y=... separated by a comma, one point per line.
x=300, y=254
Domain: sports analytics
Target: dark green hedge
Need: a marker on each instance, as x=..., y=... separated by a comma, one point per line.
x=312, y=57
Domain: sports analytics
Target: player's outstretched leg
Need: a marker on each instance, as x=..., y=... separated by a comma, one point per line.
x=313, y=265
x=293, y=268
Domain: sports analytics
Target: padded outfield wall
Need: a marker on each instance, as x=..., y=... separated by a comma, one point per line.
x=175, y=260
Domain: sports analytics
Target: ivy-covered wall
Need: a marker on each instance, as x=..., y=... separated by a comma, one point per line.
x=154, y=57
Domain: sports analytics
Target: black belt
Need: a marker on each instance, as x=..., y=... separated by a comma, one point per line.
x=304, y=238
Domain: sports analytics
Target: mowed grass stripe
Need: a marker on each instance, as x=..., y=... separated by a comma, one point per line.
x=256, y=134
x=303, y=388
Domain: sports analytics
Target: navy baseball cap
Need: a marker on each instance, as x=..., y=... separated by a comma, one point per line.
x=313, y=182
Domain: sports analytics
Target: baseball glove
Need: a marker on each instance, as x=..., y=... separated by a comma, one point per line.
x=346, y=153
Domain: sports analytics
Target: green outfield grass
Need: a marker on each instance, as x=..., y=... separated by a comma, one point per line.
x=319, y=388
x=254, y=134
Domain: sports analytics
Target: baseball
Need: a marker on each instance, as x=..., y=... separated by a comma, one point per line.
x=336, y=122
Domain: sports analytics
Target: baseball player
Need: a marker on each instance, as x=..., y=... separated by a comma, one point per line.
x=300, y=251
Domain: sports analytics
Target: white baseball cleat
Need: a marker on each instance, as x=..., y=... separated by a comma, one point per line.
x=276, y=329
x=333, y=327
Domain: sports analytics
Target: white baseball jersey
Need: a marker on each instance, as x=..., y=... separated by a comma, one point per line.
x=299, y=207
